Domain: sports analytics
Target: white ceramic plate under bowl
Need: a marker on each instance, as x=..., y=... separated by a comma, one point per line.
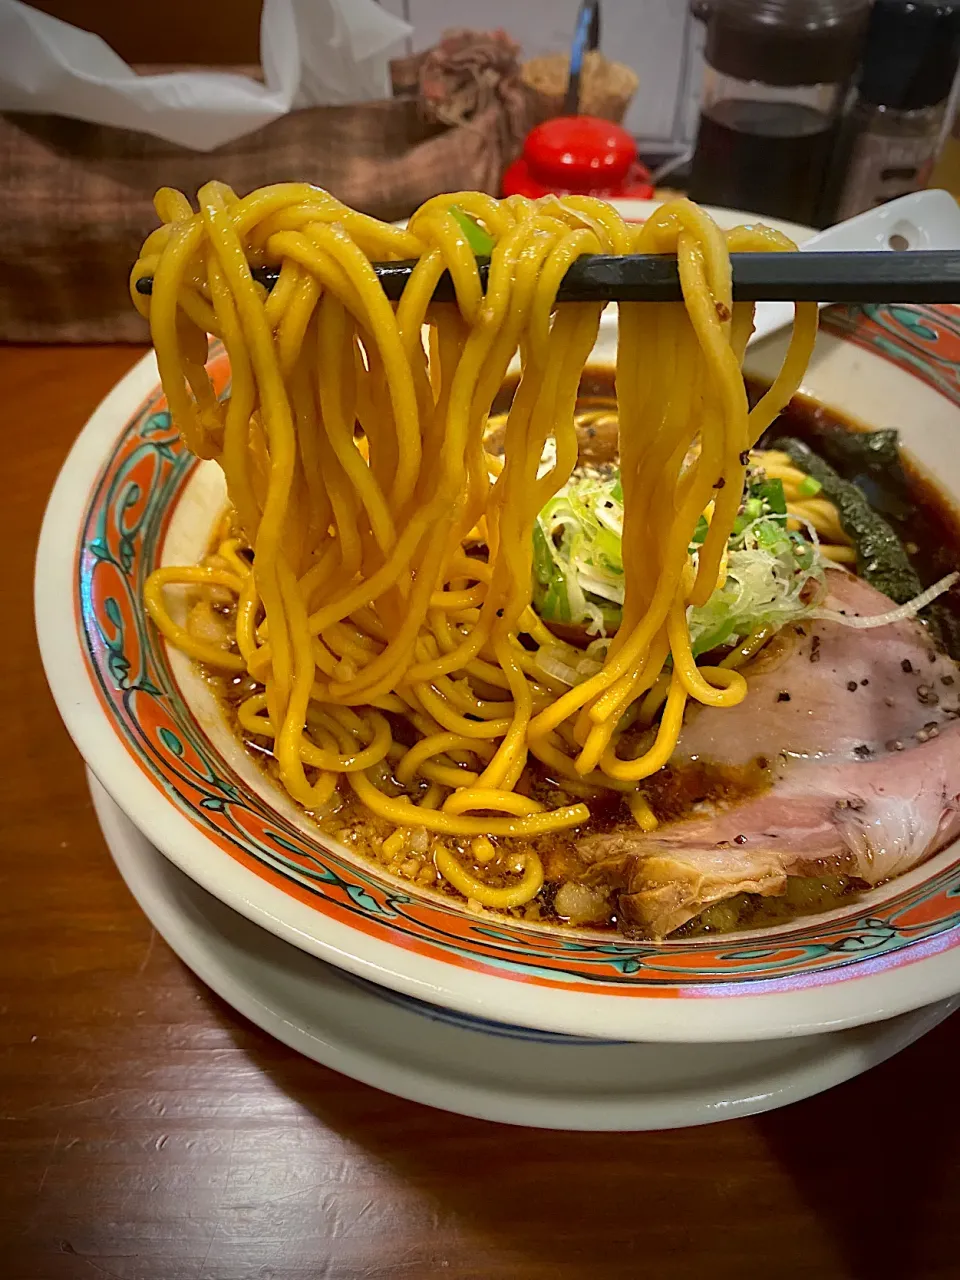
x=129, y=498
x=429, y=1055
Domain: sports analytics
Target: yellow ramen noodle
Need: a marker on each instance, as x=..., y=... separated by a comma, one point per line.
x=816, y=511
x=391, y=567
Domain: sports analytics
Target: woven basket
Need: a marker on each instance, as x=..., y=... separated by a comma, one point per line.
x=606, y=87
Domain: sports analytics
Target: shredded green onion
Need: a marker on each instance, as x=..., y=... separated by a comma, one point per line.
x=578, y=564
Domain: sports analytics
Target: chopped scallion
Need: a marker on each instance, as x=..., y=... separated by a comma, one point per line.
x=480, y=242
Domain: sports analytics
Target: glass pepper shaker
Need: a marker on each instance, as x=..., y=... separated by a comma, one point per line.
x=777, y=73
x=896, y=120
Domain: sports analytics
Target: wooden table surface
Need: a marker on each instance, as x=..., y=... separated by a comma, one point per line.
x=149, y=1133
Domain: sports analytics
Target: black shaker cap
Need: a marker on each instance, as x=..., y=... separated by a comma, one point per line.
x=911, y=53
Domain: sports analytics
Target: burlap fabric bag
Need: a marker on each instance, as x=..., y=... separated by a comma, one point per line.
x=78, y=198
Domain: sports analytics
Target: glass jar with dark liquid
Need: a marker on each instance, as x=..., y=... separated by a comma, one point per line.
x=776, y=77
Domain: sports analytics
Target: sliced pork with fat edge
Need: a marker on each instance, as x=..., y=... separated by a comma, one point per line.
x=856, y=736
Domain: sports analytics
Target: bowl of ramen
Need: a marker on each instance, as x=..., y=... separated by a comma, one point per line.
x=554, y=672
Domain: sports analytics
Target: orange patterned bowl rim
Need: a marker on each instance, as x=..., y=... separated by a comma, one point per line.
x=112, y=679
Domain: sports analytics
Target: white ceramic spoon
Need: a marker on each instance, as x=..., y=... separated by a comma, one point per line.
x=924, y=220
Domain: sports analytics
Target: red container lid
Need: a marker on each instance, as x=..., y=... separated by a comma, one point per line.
x=579, y=152
x=579, y=155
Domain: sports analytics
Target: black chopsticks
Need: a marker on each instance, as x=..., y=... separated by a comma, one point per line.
x=924, y=275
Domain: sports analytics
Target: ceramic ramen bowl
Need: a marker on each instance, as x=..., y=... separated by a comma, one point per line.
x=130, y=497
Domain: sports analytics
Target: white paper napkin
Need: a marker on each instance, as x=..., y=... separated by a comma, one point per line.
x=314, y=53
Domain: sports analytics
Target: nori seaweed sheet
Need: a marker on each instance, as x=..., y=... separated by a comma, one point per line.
x=881, y=558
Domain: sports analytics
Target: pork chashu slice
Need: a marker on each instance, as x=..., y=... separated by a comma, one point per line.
x=858, y=730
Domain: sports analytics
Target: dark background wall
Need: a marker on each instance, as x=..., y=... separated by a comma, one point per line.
x=217, y=32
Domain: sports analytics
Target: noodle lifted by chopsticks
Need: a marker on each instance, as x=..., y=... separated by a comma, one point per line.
x=353, y=450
